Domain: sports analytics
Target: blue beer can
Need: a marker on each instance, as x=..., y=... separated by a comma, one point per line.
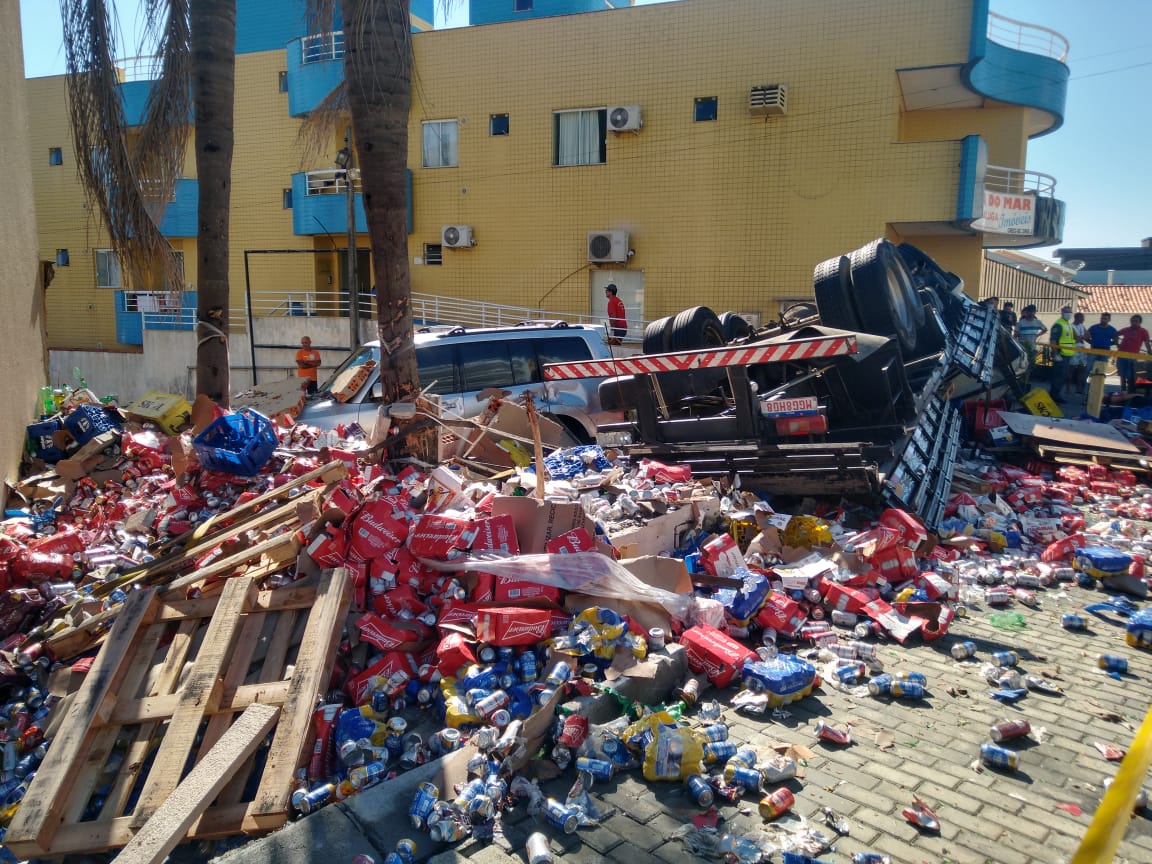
x=422, y=803
x=560, y=674
x=749, y=778
x=1072, y=621
x=560, y=816
x=699, y=790
x=907, y=690
x=996, y=756
x=715, y=732
x=1112, y=663
x=719, y=751
x=881, y=685
x=600, y=769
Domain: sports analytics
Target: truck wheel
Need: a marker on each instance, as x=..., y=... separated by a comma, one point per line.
x=832, y=282
x=697, y=327
x=656, y=336
x=883, y=293
x=933, y=334
x=734, y=327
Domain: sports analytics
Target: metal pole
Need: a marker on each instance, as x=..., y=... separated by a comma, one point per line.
x=353, y=284
x=248, y=309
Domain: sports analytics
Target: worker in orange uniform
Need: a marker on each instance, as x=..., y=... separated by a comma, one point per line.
x=307, y=362
x=617, y=314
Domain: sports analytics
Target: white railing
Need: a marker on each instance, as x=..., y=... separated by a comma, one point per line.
x=322, y=46
x=1027, y=37
x=146, y=67
x=330, y=181
x=1016, y=180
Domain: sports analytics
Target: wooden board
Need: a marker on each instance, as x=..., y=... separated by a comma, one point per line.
x=1068, y=433
x=167, y=826
x=168, y=672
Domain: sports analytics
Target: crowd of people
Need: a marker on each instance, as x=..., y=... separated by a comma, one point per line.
x=1070, y=367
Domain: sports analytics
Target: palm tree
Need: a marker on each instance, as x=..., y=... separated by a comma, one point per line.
x=128, y=177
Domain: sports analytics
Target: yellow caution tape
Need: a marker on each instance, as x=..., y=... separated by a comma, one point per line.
x=1114, y=813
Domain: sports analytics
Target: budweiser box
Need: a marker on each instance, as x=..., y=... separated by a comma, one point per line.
x=507, y=625
x=716, y=654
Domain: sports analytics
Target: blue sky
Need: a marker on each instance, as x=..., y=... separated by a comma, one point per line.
x=1099, y=157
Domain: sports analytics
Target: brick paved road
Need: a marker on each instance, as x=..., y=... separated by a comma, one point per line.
x=985, y=816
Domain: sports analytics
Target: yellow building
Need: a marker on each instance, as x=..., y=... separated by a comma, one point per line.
x=697, y=152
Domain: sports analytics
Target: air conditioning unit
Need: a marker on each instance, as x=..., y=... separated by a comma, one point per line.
x=624, y=118
x=608, y=247
x=768, y=99
x=457, y=237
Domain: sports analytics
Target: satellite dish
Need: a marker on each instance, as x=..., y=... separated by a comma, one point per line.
x=1075, y=264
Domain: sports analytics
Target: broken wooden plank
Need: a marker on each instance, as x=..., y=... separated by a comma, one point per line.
x=200, y=694
x=279, y=546
x=167, y=826
x=39, y=815
x=313, y=665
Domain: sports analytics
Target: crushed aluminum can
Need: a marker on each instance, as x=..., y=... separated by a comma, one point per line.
x=827, y=732
x=778, y=769
x=921, y=815
x=836, y=822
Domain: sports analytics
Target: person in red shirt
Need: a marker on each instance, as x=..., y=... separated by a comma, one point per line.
x=307, y=363
x=1133, y=339
x=617, y=315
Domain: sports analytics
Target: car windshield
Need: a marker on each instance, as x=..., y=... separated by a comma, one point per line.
x=365, y=354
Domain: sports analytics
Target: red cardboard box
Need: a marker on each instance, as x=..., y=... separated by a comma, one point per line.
x=912, y=532
x=452, y=653
x=401, y=602
x=781, y=613
x=576, y=540
x=509, y=590
x=329, y=548
x=505, y=625
x=440, y=537
x=393, y=661
x=721, y=556
x=845, y=599
x=716, y=654
x=391, y=635
x=496, y=534
x=458, y=616
x=376, y=529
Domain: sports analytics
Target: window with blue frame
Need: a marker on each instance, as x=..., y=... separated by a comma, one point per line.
x=61, y=257
x=55, y=156
x=705, y=109
x=498, y=124
x=283, y=82
x=287, y=198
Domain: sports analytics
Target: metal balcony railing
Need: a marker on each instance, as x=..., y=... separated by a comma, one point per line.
x=330, y=181
x=146, y=67
x=1019, y=180
x=322, y=46
x=1027, y=37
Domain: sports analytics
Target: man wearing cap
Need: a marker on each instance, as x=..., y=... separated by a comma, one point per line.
x=1062, y=339
x=1029, y=329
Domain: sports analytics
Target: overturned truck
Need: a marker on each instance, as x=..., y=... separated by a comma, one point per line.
x=853, y=395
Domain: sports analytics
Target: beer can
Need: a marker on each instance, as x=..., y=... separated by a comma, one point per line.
x=699, y=791
x=998, y=596
x=715, y=732
x=422, y=803
x=865, y=651
x=850, y=673
x=719, y=751
x=963, y=650
x=745, y=756
x=656, y=639
x=406, y=849
x=573, y=731
x=560, y=816
x=862, y=630
x=1072, y=621
x=881, y=685
x=827, y=732
x=470, y=790
x=870, y=858
x=823, y=638
x=995, y=756
x=689, y=691
x=913, y=678
x=448, y=831
x=316, y=798
x=1009, y=729
x=448, y=739
x=777, y=804
x=1004, y=659
x=500, y=718
x=907, y=690
x=490, y=704
x=843, y=651
x=779, y=769
x=481, y=808
x=537, y=849
x=1112, y=663
x=599, y=768
x=559, y=674
x=749, y=778
x=368, y=774
x=529, y=668
x=844, y=619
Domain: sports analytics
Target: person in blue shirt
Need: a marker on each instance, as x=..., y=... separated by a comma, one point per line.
x=1103, y=335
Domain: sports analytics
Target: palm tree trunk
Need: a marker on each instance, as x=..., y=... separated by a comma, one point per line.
x=213, y=79
x=378, y=75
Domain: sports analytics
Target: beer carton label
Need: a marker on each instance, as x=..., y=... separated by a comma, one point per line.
x=513, y=626
x=576, y=540
x=438, y=537
x=376, y=530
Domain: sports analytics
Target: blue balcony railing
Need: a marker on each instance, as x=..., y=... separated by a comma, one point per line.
x=152, y=310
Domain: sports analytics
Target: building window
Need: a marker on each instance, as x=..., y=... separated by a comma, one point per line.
x=283, y=82
x=498, y=124
x=521, y=5
x=55, y=156
x=107, y=269
x=61, y=257
x=286, y=198
x=705, y=109
x=440, y=144
x=578, y=137
x=433, y=254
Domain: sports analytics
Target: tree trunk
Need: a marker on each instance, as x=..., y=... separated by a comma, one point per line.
x=213, y=79
x=378, y=75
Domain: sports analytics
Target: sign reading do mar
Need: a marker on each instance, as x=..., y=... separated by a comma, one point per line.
x=1008, y=213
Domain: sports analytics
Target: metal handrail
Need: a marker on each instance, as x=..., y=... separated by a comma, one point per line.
x=146, y=67
x=1023, y=36
x=998, y=178
x=322, y=46
x=330, y=181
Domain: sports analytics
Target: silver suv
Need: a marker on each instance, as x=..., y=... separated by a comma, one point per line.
x=459, y=364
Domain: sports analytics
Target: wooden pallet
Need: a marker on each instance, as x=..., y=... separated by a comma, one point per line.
x=167, y=684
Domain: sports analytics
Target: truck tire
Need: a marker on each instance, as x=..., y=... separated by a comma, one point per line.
x=656, y=336
x=734, y=327
x=933, y=334
x=832, y=282
x=884, y=295
x=926, y=273
x=697, y=327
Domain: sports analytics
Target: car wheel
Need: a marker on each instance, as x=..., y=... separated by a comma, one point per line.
x=656, y=336
x=697, y=327
x=884, y=295
x=734, y=327
x=832, y=282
